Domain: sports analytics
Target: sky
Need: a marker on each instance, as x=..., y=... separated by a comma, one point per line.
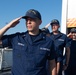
x=11, y=9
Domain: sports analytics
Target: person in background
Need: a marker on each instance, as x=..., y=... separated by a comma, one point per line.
x=71, y=70
x=61, y=41
x=32, y=48
x=45, y=30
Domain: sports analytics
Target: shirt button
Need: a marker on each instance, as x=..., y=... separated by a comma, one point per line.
x=19, y=55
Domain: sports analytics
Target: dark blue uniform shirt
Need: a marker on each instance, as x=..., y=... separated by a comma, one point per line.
x=29, y=58
x=60, y=41
x=72, y=61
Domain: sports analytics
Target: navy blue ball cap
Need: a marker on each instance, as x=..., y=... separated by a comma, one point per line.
x=45, y=30
x=73, y=30
x=33, y=14
x=54, y=21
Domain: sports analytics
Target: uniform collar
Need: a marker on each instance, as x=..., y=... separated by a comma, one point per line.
x=29, y=40
x=58, y=35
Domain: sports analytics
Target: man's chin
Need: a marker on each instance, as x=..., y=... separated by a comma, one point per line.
x=30, y=30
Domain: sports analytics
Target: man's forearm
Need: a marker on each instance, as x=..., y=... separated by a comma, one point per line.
x=3, y=30
x=13, y=23
x=67, y=56
x=52, y=67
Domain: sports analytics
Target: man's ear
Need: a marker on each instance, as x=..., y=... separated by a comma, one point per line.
x=40, y=22
x=59, y=26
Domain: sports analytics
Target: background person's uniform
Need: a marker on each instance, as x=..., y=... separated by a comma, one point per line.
x=60, y=41
x=29, y=57
x=71, y=69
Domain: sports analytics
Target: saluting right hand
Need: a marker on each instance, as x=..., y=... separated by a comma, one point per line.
x=14, y=22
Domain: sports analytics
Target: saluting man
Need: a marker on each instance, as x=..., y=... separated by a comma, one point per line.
x=31, y=49
x=61, y=41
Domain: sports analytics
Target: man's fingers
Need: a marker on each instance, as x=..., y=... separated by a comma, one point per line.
x=17, y=19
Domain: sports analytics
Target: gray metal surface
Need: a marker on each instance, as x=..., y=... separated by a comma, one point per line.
x=5, y=73
x=5, y=58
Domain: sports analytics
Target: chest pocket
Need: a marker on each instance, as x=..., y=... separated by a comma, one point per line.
x=41, y=56
x=19, y=49
x=60, y=43
x=20, y=46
